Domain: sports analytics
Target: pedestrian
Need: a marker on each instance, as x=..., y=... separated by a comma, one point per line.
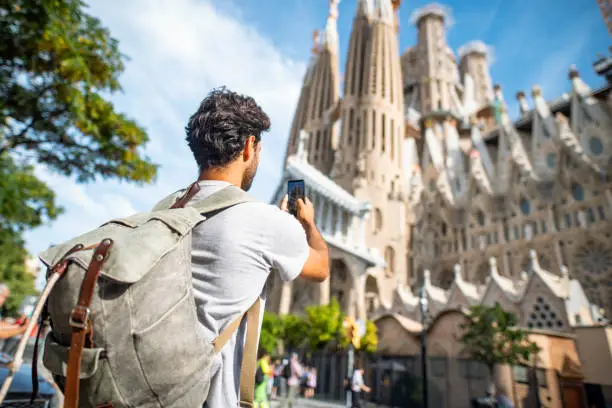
x=311, y=382
x=357, y=387
x=234, y=254
x=261, y=388
x=278, y=370
x=294, y=381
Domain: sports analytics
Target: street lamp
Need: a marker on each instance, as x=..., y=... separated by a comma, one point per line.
x=423, y=307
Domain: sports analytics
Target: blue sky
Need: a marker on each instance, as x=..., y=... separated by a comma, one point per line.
x=180, y=49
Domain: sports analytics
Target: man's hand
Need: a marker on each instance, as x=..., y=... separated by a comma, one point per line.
x=284, y=205
x=305, y=212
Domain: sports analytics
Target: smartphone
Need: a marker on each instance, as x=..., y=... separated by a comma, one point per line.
x=295, y=190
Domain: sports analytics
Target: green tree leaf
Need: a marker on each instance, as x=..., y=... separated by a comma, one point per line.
x=324, y=324
x=369, y=341
x=295, y=331
x=58, y=66
x=271, y=332
x=490, y=335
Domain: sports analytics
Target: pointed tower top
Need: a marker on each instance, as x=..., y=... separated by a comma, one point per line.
x=433, y=9
x=384, y=10
x=493, y=265
x=331, y=27
x=573, y=72
x=316, y=41
x=457, y=272
x=365, y=7
x=478, y=48
x=533, y=257
x=426, y=277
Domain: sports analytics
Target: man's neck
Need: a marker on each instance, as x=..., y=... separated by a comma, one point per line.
x=226, y=175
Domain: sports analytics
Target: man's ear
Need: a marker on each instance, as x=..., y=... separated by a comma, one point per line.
x=249, y=148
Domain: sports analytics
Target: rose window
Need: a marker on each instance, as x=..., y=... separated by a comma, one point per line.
x=594, y=259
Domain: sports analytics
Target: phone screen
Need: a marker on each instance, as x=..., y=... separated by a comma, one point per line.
x=295, y=190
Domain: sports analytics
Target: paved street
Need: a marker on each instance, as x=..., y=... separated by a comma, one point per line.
x=306, y=403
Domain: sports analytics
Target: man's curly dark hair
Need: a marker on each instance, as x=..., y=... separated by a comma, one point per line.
x=218, y=131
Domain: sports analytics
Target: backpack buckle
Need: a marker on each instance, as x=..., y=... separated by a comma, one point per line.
x=79, y=317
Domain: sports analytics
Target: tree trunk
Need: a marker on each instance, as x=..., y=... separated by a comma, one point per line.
x=491, y=388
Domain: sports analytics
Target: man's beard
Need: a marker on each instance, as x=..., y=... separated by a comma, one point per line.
x=249, y=175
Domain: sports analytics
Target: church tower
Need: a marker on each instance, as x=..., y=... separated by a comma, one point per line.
x=438, y=68
x=372, y=132
x=319, y=98
x=474, y=61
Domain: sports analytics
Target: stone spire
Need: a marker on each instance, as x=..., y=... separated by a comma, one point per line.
x=330, y=39
x=319, y=97
x=372, y=134
x=474, y=60
x=438, y=74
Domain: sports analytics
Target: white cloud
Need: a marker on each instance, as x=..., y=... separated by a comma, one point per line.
x=179, y=50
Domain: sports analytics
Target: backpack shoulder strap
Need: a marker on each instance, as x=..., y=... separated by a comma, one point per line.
x=222, y=199
x=249, y=355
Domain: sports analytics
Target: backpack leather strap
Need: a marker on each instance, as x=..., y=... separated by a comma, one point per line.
x=249, y=354
x=79, y=320
x=191, y=191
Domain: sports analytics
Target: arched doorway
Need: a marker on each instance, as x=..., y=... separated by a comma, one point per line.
x=372, y=296
x=340, y=284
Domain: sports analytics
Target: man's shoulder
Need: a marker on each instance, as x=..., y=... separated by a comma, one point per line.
x=258, y=210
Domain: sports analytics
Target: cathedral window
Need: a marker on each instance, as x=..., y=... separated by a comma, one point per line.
x=480, y=217
x=377, y=220
x=373, y=129
x=596, y=146
x=365, y=128
x=318, y=140
x=382, y=138
x=568, y=220
x=389, y=261
x=577, y=192
x=392, y=140
x=357, y=133
x=591, y=215
x=544, y=227
x=543, y=316
x=551, y=160
x=602, y=213
x=594, y=259
x=525, y=206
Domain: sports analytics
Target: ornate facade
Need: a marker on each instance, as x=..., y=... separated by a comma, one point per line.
x=420, y=177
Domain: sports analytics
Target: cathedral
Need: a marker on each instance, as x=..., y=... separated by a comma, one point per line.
x=421, y=181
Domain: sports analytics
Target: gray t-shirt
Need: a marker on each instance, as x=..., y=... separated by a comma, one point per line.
x=232, y=255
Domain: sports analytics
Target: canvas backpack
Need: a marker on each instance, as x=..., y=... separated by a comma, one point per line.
x=124, y=327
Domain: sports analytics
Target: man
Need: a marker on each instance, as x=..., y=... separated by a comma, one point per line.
x=261, y=390
x=234, y=252
x=357, y=386
x=294, y=381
